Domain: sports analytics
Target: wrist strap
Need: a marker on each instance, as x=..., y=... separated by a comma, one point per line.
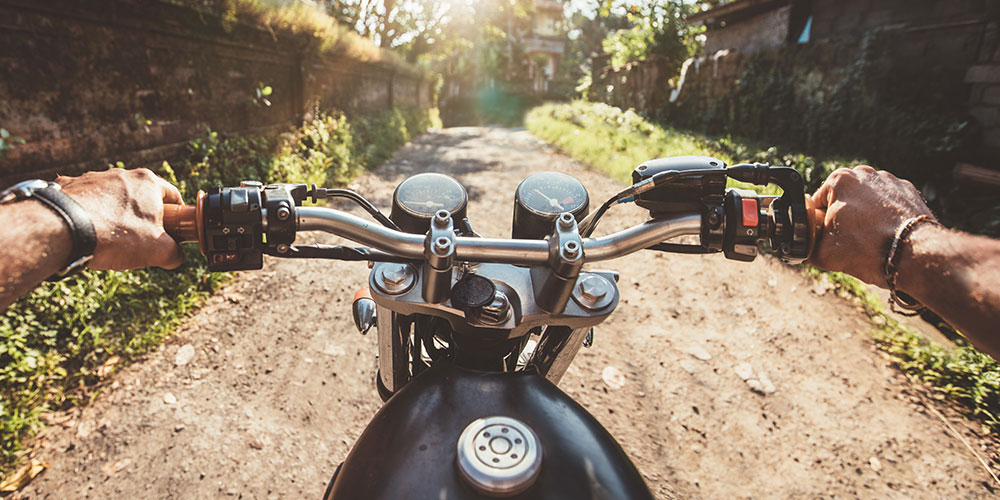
x=80, y=227
x=897, y=298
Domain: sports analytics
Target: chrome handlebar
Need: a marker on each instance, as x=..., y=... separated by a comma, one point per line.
x=495, y=250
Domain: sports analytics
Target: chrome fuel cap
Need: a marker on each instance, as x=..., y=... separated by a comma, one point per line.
x=499, y=456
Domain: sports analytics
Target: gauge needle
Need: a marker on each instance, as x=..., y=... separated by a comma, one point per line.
x=430, y=204
x=552, y=201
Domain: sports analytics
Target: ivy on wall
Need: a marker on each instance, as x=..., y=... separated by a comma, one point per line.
x=868, y=108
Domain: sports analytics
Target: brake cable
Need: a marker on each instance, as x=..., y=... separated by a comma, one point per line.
x=322, y=193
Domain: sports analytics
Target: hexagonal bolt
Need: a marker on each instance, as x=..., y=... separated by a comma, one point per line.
x=395, y=274
x=566, y=221
x=283, y=213
x=594, y=288
x=441, y=219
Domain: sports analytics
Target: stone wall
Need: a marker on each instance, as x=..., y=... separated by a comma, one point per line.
x=984, y=79
x=761, y=32
x=940, y=56
x=90, y=82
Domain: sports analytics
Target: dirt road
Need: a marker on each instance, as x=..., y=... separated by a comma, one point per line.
x=264, y=392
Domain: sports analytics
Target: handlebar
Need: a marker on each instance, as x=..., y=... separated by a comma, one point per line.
x=181, y=222
x=236, y=226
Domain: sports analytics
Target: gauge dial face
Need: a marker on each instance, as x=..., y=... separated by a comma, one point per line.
x=552, y=193
x=425, y=194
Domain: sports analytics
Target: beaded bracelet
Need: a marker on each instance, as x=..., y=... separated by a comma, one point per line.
x=897, y=298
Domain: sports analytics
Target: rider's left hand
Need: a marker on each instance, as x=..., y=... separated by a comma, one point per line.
x=126, y=207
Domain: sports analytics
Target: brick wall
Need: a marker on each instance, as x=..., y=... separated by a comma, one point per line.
x=89, y=82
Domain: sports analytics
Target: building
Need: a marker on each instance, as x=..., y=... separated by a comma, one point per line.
x=545, y=44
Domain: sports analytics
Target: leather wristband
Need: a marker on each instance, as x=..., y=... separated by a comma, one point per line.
x=80, y=227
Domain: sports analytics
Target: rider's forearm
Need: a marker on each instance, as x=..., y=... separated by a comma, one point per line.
x=956, y=275
x=36, y=244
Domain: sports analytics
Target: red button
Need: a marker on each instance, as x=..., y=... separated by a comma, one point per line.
x=750, y=212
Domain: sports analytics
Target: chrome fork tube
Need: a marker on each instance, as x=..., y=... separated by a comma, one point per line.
x=393, y=350
x=556, y=350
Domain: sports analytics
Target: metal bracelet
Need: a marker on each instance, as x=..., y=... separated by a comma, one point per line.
x=897, y=298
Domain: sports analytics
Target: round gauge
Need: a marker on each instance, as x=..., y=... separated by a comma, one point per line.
x=540, y=199
x=419, y=197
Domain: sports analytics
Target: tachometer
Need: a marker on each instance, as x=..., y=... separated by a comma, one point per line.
x=540, y=199
x=419, y=197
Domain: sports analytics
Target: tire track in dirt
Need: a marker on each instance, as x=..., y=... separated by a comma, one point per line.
x=281, y=384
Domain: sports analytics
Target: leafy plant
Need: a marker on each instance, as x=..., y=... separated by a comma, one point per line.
x=261, y=94
x=7, y=142
x=54, y=341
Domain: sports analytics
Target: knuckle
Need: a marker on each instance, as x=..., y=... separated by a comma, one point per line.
x=144, y=173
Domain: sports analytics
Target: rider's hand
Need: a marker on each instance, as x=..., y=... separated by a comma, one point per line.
x=863, y=208
x=126, y=207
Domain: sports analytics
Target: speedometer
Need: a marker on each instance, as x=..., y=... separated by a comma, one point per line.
x=419, y=197
x=540, y=199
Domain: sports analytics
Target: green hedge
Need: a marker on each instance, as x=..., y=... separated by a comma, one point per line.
x=53, y=341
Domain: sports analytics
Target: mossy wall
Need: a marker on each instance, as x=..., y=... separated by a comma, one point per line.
x=91, y=82
x=911, y=85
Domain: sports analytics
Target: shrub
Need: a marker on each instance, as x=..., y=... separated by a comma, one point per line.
x=54, y=341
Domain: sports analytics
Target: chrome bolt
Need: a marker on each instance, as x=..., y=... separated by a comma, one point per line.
x=441, y=219
x=281, y=248
x=283, y=213
x=593, y=291
x=442, y=246
x=394, y=274
x=225, y=230
x=240, y=230
x=571, y=250
x=394, y=279
x=566, y=221
x=593, y=288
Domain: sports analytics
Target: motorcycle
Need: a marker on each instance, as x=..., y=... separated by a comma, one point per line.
x=475, y=333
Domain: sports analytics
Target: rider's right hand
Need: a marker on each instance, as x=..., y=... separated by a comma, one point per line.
x=862, y=209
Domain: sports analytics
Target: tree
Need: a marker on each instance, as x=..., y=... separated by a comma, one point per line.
x=411, y=26
x=658, y=28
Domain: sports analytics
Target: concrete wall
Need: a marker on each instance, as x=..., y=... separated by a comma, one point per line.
x=89, y=82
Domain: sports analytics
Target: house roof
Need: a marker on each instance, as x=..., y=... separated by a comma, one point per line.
x=735, y=11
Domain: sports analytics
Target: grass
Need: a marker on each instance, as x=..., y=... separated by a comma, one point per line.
x=616, y=141
x=56, y=343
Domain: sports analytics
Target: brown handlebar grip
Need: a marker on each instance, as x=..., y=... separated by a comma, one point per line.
x=815, y=216
x=181, y=222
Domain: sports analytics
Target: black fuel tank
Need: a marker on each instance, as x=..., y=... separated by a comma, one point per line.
x=409, y=451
